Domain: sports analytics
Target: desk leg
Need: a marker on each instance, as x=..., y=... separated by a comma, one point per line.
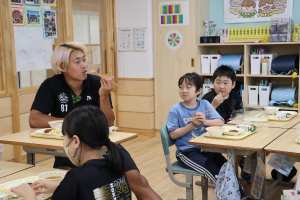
x=264, y=183
x=31, y=158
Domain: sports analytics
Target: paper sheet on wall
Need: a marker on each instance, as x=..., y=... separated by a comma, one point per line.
x=258, y=179
x=281, y=163
x=132, y=39
x=174, y=13
x=33, y=52
x=96, y=55
x=238, y=11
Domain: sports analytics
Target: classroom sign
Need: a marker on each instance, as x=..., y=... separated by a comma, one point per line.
x=239, y=11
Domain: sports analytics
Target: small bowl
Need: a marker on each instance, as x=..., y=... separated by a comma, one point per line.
x=271, y=110
x=215, y=131
x=57, y=176
x=56, y=124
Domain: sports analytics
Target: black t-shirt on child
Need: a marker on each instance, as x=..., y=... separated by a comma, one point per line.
x=225, y=109
x=93, y=180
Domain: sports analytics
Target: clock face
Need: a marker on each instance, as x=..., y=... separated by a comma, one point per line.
x=173, y=39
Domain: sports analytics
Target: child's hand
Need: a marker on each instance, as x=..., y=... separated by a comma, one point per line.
x=201, y=117
x=24, y=190
x=196, y=120
x=217, y=100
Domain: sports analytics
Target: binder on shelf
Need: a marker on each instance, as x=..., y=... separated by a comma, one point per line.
x=270, y=57
x=214, y=59
x=264, y=95
x=255, y=64
x=205, y=64
x=253, y=95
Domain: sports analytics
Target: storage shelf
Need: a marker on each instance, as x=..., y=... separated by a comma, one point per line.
x=270, y=76
x=237, y=75
x=281, y=108
x=248, y=44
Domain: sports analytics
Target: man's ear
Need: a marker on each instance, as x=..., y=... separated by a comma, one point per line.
x=233, y=85
x=62, y=69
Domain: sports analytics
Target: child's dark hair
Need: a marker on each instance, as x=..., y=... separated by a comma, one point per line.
x=224, y=70
x=192, y=79
x=90, y=125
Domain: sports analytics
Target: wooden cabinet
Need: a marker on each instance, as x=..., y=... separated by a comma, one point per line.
x=282, y=48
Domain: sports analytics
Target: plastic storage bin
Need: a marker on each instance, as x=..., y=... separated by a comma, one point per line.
x=255, y=64
x=205, y=64
x=264, y=95
x=206, y=89
x=214, y=59
x=253, y=95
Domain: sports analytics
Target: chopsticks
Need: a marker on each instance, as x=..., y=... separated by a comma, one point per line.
x=207, y=111
x=206, y=114
x=97, y=74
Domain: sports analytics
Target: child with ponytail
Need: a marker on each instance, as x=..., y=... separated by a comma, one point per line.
x=85, y=131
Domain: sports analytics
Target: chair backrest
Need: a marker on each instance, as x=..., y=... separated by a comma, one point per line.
x=166, y=140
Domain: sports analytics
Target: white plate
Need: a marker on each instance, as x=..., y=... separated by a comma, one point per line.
x=41, y=132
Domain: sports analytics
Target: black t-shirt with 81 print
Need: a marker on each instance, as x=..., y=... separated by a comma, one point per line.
x=54, y=95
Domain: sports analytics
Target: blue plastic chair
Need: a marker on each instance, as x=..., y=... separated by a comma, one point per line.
x=175, y=168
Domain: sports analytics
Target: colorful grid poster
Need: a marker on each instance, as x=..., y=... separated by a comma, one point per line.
x=174, y=13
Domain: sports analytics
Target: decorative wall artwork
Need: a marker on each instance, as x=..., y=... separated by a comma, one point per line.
x=32, y=2
x=174, y=13
x=49, y=2
x=49, y=24
x=238, y=11
x=173, y=39
x=17, y=2
x=18, y=16
x=33, y=17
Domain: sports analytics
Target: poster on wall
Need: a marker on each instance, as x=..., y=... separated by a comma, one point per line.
x=32, y=2
x=49, y=24
x=49, y=2
x=17, y=2
x=174, y=13
x=132, y=39
x=18, y=16
x=33, y=52
x=238, y=11
x=173, y=39
x=33, y=17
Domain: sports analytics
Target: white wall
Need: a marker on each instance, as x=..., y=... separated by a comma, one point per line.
x=135, y=13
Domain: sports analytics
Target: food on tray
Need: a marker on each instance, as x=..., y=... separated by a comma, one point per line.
x=281, y=116
x=271, y=109
x=6, y=191
x=215, y=131
x=53, y=131
x=233, y=131
x=54, y=177
x=48, y=130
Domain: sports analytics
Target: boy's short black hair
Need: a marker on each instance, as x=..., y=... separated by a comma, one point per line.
x=224, y=70
x=193, y=79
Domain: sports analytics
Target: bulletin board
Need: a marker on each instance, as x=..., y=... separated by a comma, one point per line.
x=132, y=39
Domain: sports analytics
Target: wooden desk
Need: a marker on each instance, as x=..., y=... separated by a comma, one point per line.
x=285, y=144
x=7, y=168
x=296, y=126
x=54, y=147
x=273, y=124
x=247, y=146
x=34, y=171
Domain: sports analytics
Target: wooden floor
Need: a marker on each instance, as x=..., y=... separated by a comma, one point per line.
x=148, y=155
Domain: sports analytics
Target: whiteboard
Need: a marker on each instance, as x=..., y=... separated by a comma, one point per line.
x=33, y=52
